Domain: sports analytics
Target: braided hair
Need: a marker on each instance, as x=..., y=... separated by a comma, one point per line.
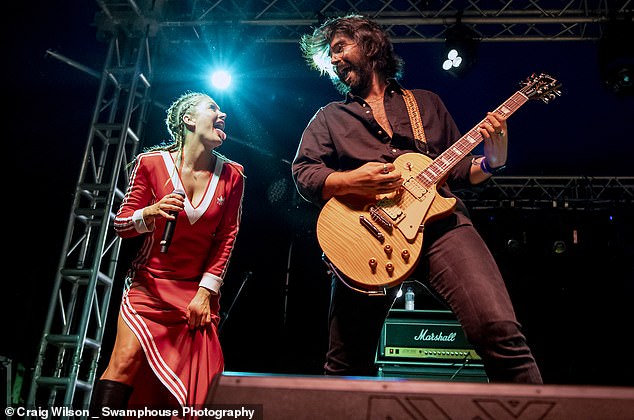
x=175, y=125
x=174, y=121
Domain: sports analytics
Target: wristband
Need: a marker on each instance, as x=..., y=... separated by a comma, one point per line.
x=484, y=165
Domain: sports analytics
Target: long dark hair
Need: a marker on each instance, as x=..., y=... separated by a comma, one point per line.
x=369, y=36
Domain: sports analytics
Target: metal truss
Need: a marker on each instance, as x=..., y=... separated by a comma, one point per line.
x=70, y=346
x=278, y=21
x=575, y=193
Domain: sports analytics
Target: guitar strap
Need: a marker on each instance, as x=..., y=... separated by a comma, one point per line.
x=414, y=116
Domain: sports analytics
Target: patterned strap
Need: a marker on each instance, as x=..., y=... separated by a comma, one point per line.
x=414, y=116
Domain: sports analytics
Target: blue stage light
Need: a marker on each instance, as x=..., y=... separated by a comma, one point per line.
x=221, y=79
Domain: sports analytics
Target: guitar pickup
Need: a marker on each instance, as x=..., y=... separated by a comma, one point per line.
x=388, y=206
x=372, y=229
x=414, y=188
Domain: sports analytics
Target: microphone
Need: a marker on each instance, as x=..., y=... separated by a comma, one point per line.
x=170, y=225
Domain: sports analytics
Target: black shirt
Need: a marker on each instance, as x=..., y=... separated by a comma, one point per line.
x=344, y=135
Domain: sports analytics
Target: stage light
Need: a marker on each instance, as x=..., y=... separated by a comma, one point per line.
x=616, y=55
x=221, y=79
x=559, y=247
x=277, y=191
x=460, y=52
x=453, y=60
x=513, y=245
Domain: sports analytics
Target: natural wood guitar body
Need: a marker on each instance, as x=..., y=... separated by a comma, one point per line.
x=355, y=250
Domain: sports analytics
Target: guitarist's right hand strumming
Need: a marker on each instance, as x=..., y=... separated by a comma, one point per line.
x=370, y=179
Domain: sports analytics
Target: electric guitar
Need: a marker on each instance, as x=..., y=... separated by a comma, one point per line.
x=376, y=242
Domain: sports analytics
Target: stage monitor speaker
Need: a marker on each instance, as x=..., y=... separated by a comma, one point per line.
x=320, y=397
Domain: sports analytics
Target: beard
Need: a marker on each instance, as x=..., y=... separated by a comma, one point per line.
x=356, y=78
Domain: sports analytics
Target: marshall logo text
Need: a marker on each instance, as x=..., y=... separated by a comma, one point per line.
x=425, y=335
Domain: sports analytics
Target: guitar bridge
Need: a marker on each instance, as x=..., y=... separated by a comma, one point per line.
x=378, y=217
x=372, y=229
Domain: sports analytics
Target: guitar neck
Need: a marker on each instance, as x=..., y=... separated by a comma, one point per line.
x=441, y=166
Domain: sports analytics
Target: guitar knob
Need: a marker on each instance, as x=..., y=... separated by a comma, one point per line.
x=405, y=255
x=389, y=267
x=373, y=264
x=388, y=250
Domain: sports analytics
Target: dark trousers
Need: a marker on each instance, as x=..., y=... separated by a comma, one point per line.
x=457, y=265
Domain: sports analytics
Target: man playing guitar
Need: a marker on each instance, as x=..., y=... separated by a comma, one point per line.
x=362, y=156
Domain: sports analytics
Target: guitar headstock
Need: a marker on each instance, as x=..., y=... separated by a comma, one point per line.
x=542, y=87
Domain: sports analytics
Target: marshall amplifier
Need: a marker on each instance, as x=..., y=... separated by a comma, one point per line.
x=427, y=344
x=424, y=335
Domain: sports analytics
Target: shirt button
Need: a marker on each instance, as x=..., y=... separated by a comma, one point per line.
x=367, y=112
x=364, y=105
x=380, y=132
x=393, y=150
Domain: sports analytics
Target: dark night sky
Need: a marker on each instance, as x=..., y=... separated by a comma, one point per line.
x=586, y=132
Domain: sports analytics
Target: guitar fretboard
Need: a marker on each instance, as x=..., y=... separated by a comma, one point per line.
x=450, y=157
